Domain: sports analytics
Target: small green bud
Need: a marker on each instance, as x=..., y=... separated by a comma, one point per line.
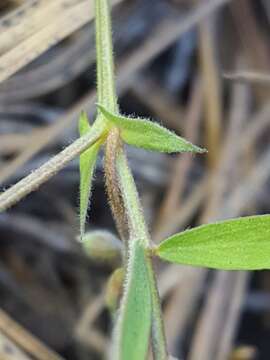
x=102, y=246
x=114, y=289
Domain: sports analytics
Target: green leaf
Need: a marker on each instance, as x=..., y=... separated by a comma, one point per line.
x=87, y=166
x=238, y=244
x=134, y=321
x=139, y=237
x=149, y=135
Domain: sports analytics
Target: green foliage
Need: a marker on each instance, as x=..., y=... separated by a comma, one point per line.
x=139, y=237
x=137, y=227
x=238, y=244
x=148, y=135
x=132, y=332
x=87, y=166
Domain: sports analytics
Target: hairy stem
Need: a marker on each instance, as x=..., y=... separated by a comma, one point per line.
x=112, y=148
x=126, y=207
x=47, y=170
x=104, y=49
x=139, y=233
x=137, y=227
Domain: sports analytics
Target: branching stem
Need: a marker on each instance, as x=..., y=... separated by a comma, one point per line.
x=31, y=182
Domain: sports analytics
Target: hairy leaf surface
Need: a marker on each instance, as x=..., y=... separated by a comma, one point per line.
x=134, y=322
x=148, y=135
x=238, y=244
x=87, y=166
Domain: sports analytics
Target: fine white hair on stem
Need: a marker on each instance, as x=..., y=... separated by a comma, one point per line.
x=32, y=182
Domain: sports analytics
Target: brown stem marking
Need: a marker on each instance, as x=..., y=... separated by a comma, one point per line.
x=112, y=147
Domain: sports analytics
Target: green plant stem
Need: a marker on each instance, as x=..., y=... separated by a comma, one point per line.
x=50, y=168
x=137, y=226
x=159, y=344
x=139, y=233
x=140, y=279
x=105, y=64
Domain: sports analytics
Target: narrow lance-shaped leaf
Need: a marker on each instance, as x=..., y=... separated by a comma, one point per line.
x=148, y=135
x=134, y=321
x=238, y=244
x=133, y=325
x=87, y=166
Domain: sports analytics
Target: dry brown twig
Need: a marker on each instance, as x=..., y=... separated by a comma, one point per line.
x=9, y=351
x=183, y=162
x=219, y=314
x=34, y=180
x=248, y=77
x=212, y=91
x=84, y=330
x=25, y=340
x=253, y=42
x=45, y=136
x=69, y=19
x=237, y=283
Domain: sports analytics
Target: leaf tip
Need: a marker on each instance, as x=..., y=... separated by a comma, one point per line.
x=190, y=147
x=200, y=150
x=83, y=123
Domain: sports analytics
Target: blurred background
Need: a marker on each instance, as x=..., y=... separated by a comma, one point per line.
x=201, y=68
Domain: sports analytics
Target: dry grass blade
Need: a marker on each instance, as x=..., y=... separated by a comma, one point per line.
x=85, y=331
x=154, y=46
x=230, y=152
x=25, y=340
x=219, y=311
x=152, y=95
x=9, y=351
x=253, y=41
x=248, y=76
x=217, y=194
x=12, y=142
x=189, y=206
x=167, y=33
x=246, y=192
x=233, y=315
x=212, y=91
x=44, y=137
x=70, y=19
x=32, y=20
x=185, y=297
x=183, y=163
